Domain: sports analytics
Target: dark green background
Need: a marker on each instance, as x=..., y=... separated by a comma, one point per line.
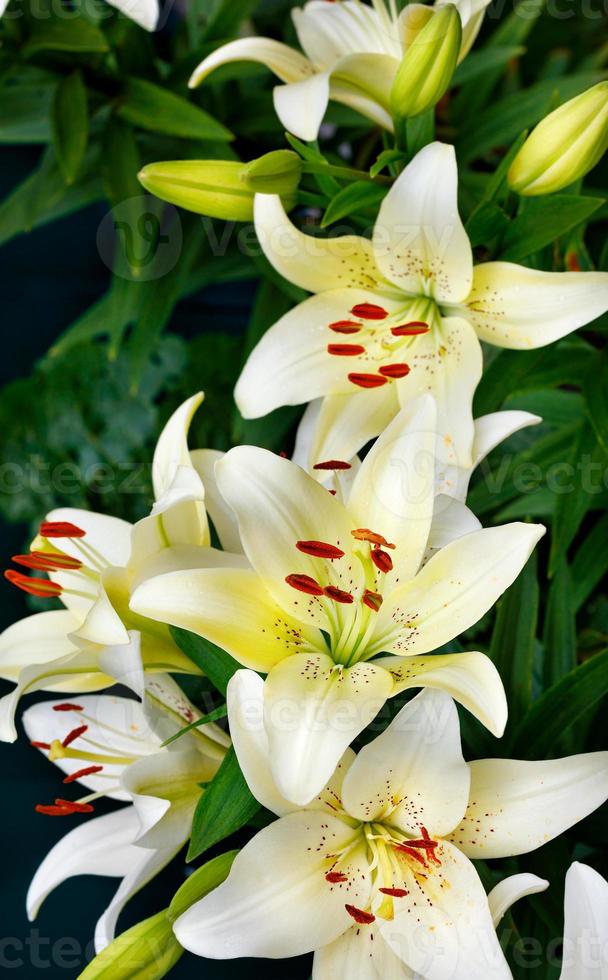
x=47, y=278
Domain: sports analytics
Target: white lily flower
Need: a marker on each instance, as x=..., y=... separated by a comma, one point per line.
x=374, y=875
x=585, y=950
x=113, y=747
x=352, y=55
x=143, y=12
x=400, y=315
x=94, y=562
x=333, y=585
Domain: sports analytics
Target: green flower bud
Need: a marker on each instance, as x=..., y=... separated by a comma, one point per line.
x=278, y=172
x=564, y=146
x=223, y=188
x=428, y=64
x=147, y=951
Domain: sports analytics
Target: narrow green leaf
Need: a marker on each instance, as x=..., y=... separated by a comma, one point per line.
x=542, y=220
x=558, y=709
x=227, y=17
x=487, y=59
x=559, y=633
x=226, y=805
x=73, y=35
x=214, y=715
x=386, y=158
x=514, y=639
x=596, y=393
x=216, y=664
x=351, y=199
x=486, y=223
x=25, y=112
x=151, y=107
x=590, y=563
x=70, y=123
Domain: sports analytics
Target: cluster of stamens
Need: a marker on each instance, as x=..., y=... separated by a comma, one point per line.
x=371, y=312
x=53, y=560
x=422, y=851
x=330, y=552
x=57, y=749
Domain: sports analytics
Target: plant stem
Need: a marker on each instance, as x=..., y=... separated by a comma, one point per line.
x=343, y=173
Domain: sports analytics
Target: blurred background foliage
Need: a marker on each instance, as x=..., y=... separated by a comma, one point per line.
x=117, y=307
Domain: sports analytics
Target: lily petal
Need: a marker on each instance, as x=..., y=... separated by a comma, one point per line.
x=286, y=63
x=313, y=709
x=360, y=954
x=586, y=925
x=302, y=105
x=172, y=451
x=470, y=678
x=107, y=540
x=454, y=590
x=268, y=492
x=420, y=243
x=326, y=33
x=43, y=637
x=278, y=894
x=232, y=608
x=224, y=521
x=394, y=490
x=512, y=306
x=510, y=890
x=451, y=520
x=414, y=773
x=455, y=938
x=315, y=264
x=143, y=12
x=517, y=806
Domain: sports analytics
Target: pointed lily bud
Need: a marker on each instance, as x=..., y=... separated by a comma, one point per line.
x=278, y=172
x=149, y=949
x=428, y=64
x=564, y=146
x=217, y=188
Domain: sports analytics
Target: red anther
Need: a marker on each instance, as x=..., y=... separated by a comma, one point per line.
x=394, y=370
x=345, y=326
x=363, y=918
x=382, y=560
x=333, y=464
x=394, y=892
x=41, y=587
x=61, y=529
x=335, y=876
x=67, y=706
x=52, y=811
x=367, y=380
x=345, y=350
x=44, y=562
x=413, y=329
x=74, y=807
x=411, y=852
x=333, y=492
x=41, y=745
x=338, y=595
x=369, y=311
x=304, y=583
x=372, y=600
x=89, y=771
x=320, y=549
x=74, y=734
x=364, y=534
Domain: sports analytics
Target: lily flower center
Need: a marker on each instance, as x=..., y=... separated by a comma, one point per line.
x=350, y=602
x=384, y=342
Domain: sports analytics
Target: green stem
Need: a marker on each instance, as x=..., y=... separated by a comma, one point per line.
x=343, y=173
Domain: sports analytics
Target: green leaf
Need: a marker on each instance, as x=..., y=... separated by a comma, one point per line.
x=486, y=223
x=513, y=643
x=385, y=159
x=505, y=119
x=355, y=197
x=73, y=35
x=25, y=113
x=543, y=219
x=226, y=805
x=214, y=715
x=596, y=394
x=590, y=563
x=70, y=123
x=151, y=107
x=559, y=708
x=559, y=633
x=200, y=883
x=215, y=663
x=488, y=59
x=227, y=17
